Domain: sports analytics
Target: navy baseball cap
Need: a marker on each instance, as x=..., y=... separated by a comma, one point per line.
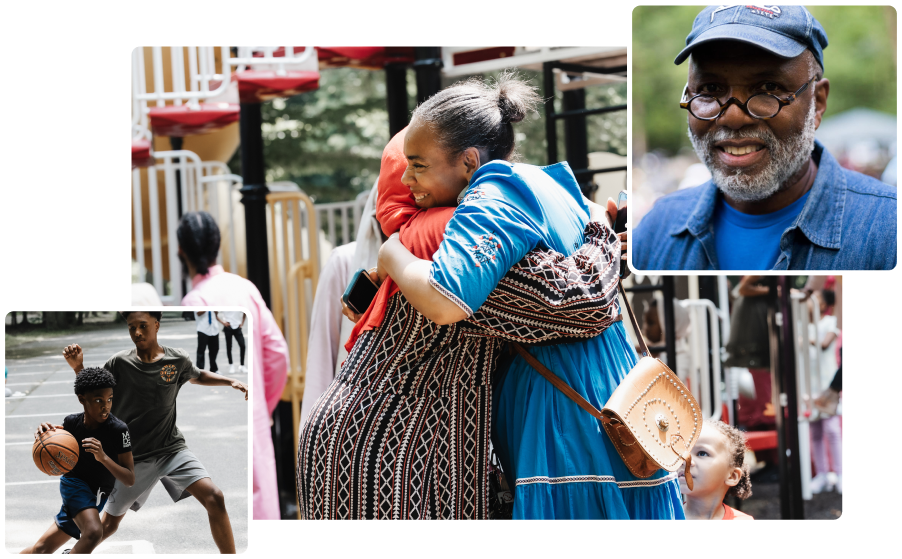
x=786, y=31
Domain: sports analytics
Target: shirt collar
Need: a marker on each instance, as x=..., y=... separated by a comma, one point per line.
x=198, y=279
x=820, y=219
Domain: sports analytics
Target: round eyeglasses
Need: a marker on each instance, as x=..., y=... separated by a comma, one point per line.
x=762, y=105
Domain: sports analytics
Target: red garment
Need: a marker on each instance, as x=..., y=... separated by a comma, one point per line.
x=729, y=513
x=421, y=230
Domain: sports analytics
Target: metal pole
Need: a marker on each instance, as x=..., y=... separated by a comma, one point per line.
x=396, y=97
x=550, y=120
x=428, y=66
x=176, y=143
x=791, y=414
x=773, y=325
x=667, y=287
x=576, y=138
x=253, y=196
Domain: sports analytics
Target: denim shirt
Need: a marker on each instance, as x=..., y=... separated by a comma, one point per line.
x=848, y=223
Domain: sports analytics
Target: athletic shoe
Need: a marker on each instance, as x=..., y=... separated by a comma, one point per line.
x=66, y=551
x=243, y=369
x=818, y=483
x=839, y=484
x=233, y=368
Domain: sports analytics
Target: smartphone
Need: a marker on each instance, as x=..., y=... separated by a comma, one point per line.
x=620, y=226
x=360, y=292
x=620, y=222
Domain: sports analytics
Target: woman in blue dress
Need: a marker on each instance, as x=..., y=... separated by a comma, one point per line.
x=556, y=456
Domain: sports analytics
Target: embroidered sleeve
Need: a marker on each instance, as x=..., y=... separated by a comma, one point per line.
x=550, y=298
x=486, y=236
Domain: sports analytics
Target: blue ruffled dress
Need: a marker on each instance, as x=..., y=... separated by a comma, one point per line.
x=556, y=457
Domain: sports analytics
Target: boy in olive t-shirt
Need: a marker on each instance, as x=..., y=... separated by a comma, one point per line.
x=148, y=379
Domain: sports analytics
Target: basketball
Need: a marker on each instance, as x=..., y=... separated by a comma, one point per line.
x=55, y=453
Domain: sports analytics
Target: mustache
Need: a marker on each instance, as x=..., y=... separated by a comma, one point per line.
x=722, y=134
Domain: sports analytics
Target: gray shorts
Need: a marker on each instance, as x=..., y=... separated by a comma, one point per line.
x=175, y=471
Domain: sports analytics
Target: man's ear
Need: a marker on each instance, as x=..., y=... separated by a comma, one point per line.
x=822, y=90
x=734, y=477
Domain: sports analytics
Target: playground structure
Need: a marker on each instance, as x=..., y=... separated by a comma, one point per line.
x=278, y=238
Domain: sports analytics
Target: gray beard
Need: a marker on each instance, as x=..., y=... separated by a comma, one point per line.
x=787, y=158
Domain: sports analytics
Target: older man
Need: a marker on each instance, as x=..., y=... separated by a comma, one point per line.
x=777, y=199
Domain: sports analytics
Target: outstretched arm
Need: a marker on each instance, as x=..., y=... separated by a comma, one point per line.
x=75, y=357
x=207, y=378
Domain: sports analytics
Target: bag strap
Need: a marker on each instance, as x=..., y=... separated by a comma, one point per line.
x=642, y=345
x=559, y=383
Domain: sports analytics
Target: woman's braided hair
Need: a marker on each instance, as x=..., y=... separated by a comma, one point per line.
x=736, y=440
x=478, y=114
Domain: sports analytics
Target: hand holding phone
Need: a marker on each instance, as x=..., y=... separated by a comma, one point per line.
x=360, y=292
x=620, y=229
x=620, y=223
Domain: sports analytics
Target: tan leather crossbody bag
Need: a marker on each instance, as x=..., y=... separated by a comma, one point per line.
x=651, y=418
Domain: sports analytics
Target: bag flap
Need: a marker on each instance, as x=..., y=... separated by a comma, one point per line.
x=659, y=410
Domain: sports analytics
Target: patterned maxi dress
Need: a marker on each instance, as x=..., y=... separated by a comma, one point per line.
x=403, y=430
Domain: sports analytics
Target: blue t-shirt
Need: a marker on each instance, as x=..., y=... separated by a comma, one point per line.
x=508, y=210
x=751, y=242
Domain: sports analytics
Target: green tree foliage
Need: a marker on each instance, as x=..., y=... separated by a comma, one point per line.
x=329, y=141
x=860, y=64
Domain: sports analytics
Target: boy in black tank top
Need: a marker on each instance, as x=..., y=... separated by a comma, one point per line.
x=104, y=455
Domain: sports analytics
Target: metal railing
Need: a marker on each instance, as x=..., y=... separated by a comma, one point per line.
x=808, y=378
x=278, y=59
x=294, y=256
x=340, y=220
x=192, y=76
x=705, y=370
x=205, y=186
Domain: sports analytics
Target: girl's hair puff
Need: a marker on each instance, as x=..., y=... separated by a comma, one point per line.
x=737, y=446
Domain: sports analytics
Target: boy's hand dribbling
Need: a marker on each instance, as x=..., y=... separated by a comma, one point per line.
x=44, y=427
x=74, y=357
x=93, y=446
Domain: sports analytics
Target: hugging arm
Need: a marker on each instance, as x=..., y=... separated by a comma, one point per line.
x=548, y=297
x=413, y=274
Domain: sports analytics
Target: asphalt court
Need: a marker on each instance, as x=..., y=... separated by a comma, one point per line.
x=214, y=421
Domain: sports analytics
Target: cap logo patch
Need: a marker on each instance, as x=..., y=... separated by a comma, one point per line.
x=771, y=12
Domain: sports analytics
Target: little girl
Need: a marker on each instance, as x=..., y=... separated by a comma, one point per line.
x=717, y=470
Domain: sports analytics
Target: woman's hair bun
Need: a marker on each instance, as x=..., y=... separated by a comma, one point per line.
x=516, y=98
